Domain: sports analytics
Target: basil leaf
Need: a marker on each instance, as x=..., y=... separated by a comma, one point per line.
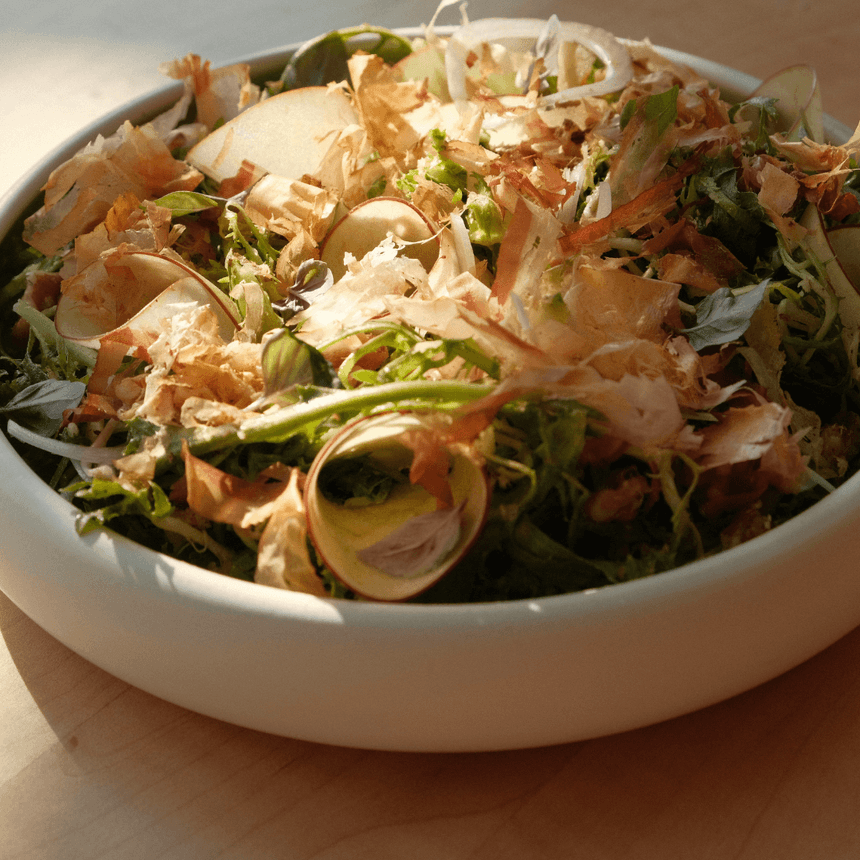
x=187, y=202
x=313, y=280
x=736, y=217
x=39, y=407
x=724, y=316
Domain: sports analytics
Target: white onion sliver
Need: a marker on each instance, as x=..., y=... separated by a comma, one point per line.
x=82, y=453
x=603, y=44
x=604, y=200
x=463, y=245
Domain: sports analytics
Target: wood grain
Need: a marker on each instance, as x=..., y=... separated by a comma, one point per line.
x=93, y=768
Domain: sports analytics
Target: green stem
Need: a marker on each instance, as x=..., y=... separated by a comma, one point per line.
x=283, y=423
x=286, y=421
x=46, y=332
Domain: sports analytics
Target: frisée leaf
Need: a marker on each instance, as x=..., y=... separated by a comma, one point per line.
x=356, y=482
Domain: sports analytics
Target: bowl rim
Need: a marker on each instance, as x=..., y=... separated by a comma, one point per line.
x=714, y=573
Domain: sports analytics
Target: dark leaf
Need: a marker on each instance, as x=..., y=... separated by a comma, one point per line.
x=724, y=316
x=40, y=407
x=289, y=362
x=313, y=280
x=323, y=60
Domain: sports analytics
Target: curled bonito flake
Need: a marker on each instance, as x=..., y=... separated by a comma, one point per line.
x=273, y=504
x=79, y=194
x=219, y=94
x=189, y=360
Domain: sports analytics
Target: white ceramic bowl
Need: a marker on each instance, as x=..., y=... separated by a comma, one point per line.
x=436, y=678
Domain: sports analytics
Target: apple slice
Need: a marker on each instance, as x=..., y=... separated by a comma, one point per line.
x=799, y=103
x=366, y=225
x=839, y=252
x=426, y=64
x=394, y=549
x=845, y=242
x=287, y=134
x=137, y=291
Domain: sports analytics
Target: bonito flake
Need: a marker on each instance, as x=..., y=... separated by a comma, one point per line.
x=612, y=294
x=191, y=362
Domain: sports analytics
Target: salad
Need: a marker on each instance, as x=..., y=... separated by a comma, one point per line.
x=510, y=311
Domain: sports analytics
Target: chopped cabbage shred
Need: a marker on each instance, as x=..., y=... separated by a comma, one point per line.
x=626, y=303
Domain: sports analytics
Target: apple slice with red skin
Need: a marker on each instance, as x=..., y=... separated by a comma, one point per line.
x=394, y=549
x=366, y=225
x=288, y=134
x=798, y=102
x=137, y=291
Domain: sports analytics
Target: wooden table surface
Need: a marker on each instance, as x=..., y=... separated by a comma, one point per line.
x=93, y=768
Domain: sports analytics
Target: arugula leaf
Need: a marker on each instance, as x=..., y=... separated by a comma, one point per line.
x=18, y=283
x=527, y=562
x=243, y=240
x=767, y=116
x=64, y=357
x=136, y=431
x=724, y=316
x=356, y=482
x=736, y=217
x=149, y=501
x=250, y=258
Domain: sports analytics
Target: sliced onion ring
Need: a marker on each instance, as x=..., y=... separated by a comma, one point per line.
x=88, y=454
x=604, y=45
